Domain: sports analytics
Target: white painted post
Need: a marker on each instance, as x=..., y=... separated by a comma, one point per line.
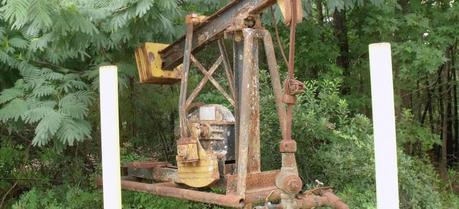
x=382, y=96
x=109, y=122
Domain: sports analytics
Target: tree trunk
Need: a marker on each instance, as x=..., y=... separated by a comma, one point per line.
x=455, y=119
x=444, y=125
x=340, y=30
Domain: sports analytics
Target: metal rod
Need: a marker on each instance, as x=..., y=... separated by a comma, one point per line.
x=326, y=198
x=184, y=80
x=212, y=80
x=226, y=65
x=203, y=82
x=238, y=55
x=291, y=66
x=275, y=80
x=170, y=190
x=291, y=54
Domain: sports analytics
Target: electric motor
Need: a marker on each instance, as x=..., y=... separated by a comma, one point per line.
x=216, y=130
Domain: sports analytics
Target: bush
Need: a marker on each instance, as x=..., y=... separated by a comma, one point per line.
x=336, y=148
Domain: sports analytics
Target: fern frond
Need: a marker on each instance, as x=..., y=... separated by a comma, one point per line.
x=10, y=94
x=119, y=21
x=47, y=127
x=13, y=110
x=18, y=42
x=73, y=130
x=15, y=12
x=87, y=97
x=36, y=114
x=82, y=24
x=40, y=43
x=53, y=76
x=142, y=7
x=43, y=90
x=71, y=106
x=40, y=13
x=7, y=59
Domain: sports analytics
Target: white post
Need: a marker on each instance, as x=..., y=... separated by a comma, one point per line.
x=111, y=173
x=382, y=96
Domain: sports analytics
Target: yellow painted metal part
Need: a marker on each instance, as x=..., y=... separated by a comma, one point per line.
x=285, y=7
x=149, y=65
x=199, y=174
x=188, y=152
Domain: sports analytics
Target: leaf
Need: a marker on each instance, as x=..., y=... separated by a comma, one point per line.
x=142, y=7
x=47, y=127
x=40, y=13
x=44, y=90
x=118, y=21
x=73, y=130
x=36, y=114
x=54, y=76
x=7, y=59
x=86, y=97
x=40, y=43
x=13, y=110
x=16, y=12
x=9, y=94
x=18, y=42
x=70, y=105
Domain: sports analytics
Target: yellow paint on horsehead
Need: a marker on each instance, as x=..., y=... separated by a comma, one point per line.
x=149, y=65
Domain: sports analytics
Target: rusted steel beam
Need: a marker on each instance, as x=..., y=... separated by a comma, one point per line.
x=324, y=198
x=212, y=27
x=158, y=174
x=147, y=164
x=212, y=80
x=267, y=195
x=307, y=201
x=171, y=190
x=255, y=181
x=238, y=59
x=203, y=82
x=251, y=65
x=275, y=79
x=245, y=121
x=184, y=80
x=226, y=65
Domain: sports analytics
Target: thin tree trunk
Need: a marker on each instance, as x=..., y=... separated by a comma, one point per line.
x=444, y=125
x=340, y=30
x=455, y=119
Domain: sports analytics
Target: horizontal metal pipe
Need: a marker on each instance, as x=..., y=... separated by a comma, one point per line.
x=170, y=190
x=262, y=196
x=328, y=198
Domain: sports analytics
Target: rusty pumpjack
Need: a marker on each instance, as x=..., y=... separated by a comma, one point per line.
x=217, y=147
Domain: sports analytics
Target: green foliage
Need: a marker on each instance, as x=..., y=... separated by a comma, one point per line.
x=72, y=197
x=410, y=132
x=54, y=45
x=336, y=148
x=64, y=197
x=57, y=104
